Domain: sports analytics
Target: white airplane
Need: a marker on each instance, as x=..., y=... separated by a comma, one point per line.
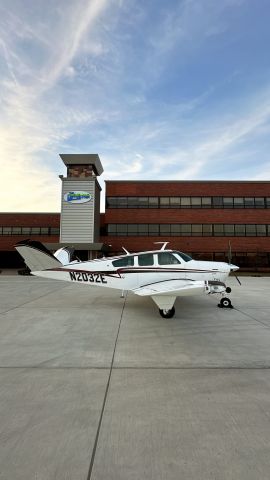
x=161, y=274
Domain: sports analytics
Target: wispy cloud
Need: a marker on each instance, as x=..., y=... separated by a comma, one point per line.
x=158, y=89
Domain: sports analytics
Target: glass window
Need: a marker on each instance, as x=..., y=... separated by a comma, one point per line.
x=55, y=230
x=146, y=259
x=207, y=230
x=250, y=230
x=218, y=230
x=121, y=228
x=153, y=202
x=186, y=229
x=44, y=230
x=176, y=229
x=228, y=202
x=261, y=230
x=249, y=202
x=132, y=229
x=142, y=202
x=206, y=202
x=111, y=228
x=267, y=200
x=238, y=202
x=164, y=202
x=268, y=230
x=240, y=230
x=229, y=230
x=35, y=230
x=175, y=202
x=184, y=256
x=112, y=202
x=121, y=202
x=16, y=230
x=166, y=258
x=7, y=230
x=165, y=229
x=217, y=202
x=196, y=202
x=185, y=202
x=153, y=229
x=142, y=229
x=196, y=230
x=132, y=202
x=124, y=262
x=259, y=202
x=26, y=230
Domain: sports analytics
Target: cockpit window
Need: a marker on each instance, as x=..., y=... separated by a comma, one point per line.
x=146, y=259
x=167, y=258
x=184, y=256
x=124, y=262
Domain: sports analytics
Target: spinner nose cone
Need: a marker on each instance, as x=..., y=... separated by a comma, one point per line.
x=233, y=268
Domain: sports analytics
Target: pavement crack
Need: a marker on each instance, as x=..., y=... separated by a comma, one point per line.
x=252, y=318
x=30, y=301
x=105, y=396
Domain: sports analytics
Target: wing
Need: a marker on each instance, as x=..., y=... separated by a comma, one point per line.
x=177, y=288
x=164, y=293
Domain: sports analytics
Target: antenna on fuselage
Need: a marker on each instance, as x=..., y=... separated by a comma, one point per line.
x=164, y=245
x=125, y=250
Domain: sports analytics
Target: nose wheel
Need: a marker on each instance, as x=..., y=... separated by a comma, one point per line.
x=225, y=302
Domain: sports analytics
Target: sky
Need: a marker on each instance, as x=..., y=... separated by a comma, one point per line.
x=160, y=89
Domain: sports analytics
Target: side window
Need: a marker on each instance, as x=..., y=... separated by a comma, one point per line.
x=166, y=258
x=124, y=262
x=146, y=259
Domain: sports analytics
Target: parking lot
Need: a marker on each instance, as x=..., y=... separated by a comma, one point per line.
x=94, y=386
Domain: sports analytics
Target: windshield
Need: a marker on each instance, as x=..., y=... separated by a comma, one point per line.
x=184, y=256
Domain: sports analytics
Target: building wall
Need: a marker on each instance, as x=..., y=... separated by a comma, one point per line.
x=167, y=188
x=78, y=219
x=247, y=250
x=9, y=258
x=201, y=246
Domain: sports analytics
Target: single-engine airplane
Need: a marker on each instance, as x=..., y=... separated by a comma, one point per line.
x=161, y=274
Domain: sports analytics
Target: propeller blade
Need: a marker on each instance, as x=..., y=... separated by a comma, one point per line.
x=237, y=278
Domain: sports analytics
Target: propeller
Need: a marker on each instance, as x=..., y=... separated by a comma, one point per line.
x=233, y=267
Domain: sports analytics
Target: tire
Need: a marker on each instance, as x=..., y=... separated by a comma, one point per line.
x=226, y=302
x=167, y=313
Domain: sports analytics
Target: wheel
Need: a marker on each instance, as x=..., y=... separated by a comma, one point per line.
x=167, y=313
x=225, y=302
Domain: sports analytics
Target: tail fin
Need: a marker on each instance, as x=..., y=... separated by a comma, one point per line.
x=36, y=256
x=64, y=255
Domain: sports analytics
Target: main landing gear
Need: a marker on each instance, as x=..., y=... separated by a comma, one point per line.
x=225, y=303
x=169, y=313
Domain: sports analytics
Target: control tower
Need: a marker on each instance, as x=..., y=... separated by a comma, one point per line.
x=80, y=202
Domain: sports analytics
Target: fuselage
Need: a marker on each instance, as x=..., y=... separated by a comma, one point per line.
x=131, y=271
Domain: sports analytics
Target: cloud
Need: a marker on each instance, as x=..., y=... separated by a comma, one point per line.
x=34, y=122
x=122, y=79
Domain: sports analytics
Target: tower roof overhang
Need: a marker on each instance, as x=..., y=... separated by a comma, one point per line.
x=83, y=159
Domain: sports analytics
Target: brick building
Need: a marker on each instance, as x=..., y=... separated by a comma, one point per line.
x=203, y=218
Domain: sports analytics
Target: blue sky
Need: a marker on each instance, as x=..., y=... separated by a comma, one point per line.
x=159, y=89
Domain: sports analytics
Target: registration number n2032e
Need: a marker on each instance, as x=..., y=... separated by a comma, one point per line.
x=87, y=277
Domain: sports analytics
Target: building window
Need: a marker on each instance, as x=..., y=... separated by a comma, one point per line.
x=238, y=202
x=186, y=230
x=153, y=229
x=188, y=202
